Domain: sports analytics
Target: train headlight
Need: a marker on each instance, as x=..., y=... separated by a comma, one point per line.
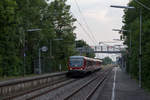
x=81, y=68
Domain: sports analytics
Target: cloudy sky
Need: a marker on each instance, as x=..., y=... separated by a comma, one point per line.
x=100, y=19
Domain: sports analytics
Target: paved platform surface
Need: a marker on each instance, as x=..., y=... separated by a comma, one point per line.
x=121, y=87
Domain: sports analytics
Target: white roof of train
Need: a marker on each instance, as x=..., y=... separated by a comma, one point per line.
x=85, y=58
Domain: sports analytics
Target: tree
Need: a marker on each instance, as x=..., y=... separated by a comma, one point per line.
x=57, y=17
x=30, y=14
x=131, y=22
x=107, y=60
x=84, y=45
x=10, y=62
x=19, y=47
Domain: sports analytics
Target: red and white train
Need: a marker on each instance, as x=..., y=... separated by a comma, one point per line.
x=80, y=65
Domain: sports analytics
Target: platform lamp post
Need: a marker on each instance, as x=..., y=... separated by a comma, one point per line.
x=140, y=53
x=57, y=39
x=24, y=55
x=121, y=41
x=43, y=49
x=129, y=34
x=121, y=30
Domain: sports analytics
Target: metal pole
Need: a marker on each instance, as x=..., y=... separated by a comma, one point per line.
x=60, y=67
x=24, y=63
x=80, y=52
x=107, y=48
x=125, y=65
x=122, y=61
x=50, y=47
x=130, y=53
x=39, y=60
x=130, y=42
x=24, y=56
x=140, y=52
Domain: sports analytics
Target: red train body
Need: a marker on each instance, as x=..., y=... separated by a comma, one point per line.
x=80, y=65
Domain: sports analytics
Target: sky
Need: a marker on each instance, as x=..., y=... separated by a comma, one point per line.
x=98, y=19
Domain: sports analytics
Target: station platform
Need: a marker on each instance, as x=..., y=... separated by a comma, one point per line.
x=119, y=86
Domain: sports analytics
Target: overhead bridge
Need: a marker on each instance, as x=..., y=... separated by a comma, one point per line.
x=101, y=49
x=108, y=52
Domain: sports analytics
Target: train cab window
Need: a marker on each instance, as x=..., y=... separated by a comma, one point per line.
x=89, y=63
x=76, y=62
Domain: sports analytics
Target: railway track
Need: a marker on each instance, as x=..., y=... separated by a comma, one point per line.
x=88, y=89
x=66, y=89
x=11, y=89
x=35, y=93
x=53, y=89
x=81, y=89
x=31, y=94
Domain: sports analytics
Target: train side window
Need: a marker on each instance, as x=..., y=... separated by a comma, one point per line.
x=88, y=63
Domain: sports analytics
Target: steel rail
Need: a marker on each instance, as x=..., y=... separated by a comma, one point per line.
x=33, y=90
x=97, y=86
x=66, y=98
x=51, y=90
x=84, y=85
x=45, y=92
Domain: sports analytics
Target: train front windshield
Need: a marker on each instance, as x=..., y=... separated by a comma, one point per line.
x=76, y=62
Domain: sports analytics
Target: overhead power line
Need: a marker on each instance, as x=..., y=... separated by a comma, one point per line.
x=142, y=4
x=85, y=22
x=85, y=31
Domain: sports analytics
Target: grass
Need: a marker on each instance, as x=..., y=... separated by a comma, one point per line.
x=16, y=77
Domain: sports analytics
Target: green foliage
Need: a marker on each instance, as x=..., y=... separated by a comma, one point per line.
x=83, y=44
x=8, y=37
x=132, y=23
x=57, y=33
x=107, y=60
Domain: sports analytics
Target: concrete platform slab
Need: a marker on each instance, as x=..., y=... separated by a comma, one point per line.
x=121, y=87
